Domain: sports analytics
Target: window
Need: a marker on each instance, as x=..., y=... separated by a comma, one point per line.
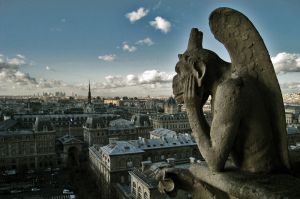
x=134, y=189
x=139, y=193
x=129, y=163
x=146, y=195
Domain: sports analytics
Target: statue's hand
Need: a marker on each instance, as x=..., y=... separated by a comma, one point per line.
x=172, y=179
x=192, y=98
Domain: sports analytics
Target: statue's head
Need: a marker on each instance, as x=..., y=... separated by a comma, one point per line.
x=201, y=63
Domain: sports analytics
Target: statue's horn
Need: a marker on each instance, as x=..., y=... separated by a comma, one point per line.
x=195, y=41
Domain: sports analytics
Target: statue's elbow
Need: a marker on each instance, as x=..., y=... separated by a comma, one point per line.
x=216, y=166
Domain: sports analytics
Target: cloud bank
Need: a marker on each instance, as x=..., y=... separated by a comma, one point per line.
x=286, y=62
x=11, y=76
x=149, y=78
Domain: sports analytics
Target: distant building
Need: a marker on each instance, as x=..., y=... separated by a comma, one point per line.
x=99, y=130
x=27, y=149
x=177, y=122
x=144, y=185
x=69, y=149
x=289, y=117
x=162, y=133
x=89, y=95
x=171, y=106
x=112, y=162
x=114, y=102
x=293, y=134
x=93, y=129
x=62, y=122
x=292, y=114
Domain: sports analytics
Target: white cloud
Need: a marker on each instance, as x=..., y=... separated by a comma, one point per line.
x=18, y=60
x=108, y=57
x=21, y=56
x=286, y=62
x=137, y=15
x=128, y=48
x=291, y=85
x=147, y=79
x=12, y=76
x=147, y=41
x=161, y=24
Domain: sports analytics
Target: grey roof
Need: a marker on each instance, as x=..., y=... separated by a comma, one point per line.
x=120, y=148
x=100, y=121
x=166, y=142
x=292, y=130
x=14, y=133
x=121, y=124
x=175, y=116
x=69, y=139
x=162, y=132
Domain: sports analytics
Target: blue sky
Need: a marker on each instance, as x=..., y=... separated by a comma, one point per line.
x=126, y=47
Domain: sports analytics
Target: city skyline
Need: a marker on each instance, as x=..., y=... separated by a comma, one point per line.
x=126, y=48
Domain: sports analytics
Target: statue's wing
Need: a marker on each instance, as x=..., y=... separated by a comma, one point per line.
x=250, y=57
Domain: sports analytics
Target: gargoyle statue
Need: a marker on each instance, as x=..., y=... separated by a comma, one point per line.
x=247, y=107
x=246, y=102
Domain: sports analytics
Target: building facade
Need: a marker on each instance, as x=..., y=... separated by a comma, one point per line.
x=113, y=161
x=63, y=123
x=178, y=122
x=99, y=131
x=22, y=150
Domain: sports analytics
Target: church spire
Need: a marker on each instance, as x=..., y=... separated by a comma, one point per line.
x=89, y=94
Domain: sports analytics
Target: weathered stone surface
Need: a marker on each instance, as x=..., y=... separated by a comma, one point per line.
x=248, y=185
x=247, y=106
x=248, y=114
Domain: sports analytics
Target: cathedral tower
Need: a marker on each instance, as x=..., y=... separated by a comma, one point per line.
x=89, y=94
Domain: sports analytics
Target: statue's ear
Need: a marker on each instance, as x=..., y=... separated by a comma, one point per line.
x=199, y=70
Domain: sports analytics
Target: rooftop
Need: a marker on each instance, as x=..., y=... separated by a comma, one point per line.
x=162, y=132
x=180, y=140
x=121, y=123
x=120, y=148
x=69, y=139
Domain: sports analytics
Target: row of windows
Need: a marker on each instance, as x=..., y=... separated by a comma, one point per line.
x=138, y=194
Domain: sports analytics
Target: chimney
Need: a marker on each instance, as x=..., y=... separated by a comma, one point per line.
x=192, y=160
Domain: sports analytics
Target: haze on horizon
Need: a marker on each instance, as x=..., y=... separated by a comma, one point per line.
x=126, y=48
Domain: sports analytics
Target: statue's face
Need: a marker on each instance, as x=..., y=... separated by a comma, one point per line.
x=183, y=71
